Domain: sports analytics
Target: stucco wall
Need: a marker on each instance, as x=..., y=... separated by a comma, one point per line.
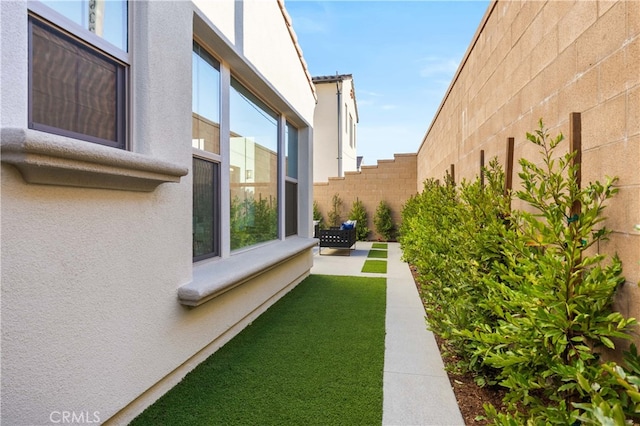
x=393, y=181
x=532, y=60
x=91, y=321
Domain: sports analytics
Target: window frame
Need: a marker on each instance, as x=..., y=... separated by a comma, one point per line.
x=67, y=30
x=212, y=157
x=291, y=182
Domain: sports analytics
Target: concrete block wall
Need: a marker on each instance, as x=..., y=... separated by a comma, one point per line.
x=531, y=60
x=393, y=181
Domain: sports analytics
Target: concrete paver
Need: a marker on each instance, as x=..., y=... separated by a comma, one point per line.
x=416, y=388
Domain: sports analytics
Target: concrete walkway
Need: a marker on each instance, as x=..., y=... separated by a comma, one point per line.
x=416, y=389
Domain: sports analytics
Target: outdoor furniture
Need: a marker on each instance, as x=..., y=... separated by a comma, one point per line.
x=343, y=237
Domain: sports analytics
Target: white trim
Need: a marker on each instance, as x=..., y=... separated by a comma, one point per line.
x=282, y=135
x=225, y=164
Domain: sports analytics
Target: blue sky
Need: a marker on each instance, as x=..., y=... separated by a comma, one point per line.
x=402, y=54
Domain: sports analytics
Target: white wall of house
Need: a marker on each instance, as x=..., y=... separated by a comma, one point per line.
x=335, y=128
x=94, y=258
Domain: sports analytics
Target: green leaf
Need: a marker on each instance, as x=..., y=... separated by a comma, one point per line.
x=607, y=342
x=584, y=384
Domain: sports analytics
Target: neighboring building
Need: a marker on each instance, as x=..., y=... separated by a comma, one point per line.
x=156, y=194
x=335, y=127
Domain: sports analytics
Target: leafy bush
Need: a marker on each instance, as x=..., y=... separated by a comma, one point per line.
x=520, y=296
x=359, y=213
x=317, y=215
x=383, y=222
x=452, y=237
x=253, y=221
x=335, y=213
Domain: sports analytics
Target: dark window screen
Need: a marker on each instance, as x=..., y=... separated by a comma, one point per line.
x=291, y=208
x=75, y=90
x=206, y=241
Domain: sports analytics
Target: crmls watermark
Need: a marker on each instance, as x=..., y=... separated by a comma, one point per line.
x=74, y=417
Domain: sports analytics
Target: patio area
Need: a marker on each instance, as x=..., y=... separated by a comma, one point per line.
x=416, y=387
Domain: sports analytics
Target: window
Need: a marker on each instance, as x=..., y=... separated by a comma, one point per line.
x=206, y=101
x=78, y=65
x=206, y=210
x=291, y=183
x=253, y=168
x=351, y=131
x=355, y=142
x=206, y=162
x=346, y=113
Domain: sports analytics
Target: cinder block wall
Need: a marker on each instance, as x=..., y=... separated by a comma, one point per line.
x=532, y=60
x=393, y=181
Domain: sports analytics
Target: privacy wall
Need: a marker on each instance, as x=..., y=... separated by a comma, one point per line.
x=531, y=60
x=392, y=181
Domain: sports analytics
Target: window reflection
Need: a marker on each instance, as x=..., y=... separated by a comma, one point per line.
x=291, y=147
x=105, y=18
x=205, y=101
x=254, y=169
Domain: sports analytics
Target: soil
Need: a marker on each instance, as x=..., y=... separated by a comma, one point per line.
x=469, y=395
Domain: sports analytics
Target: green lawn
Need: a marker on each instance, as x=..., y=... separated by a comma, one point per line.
x=314, y=358
x=379, y=246
x=375, y=266
x=377, y=254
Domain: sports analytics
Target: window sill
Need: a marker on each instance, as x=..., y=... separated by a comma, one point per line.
x=48, y=159
x=215, y=277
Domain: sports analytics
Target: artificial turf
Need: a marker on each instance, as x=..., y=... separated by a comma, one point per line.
x=379, y=246
x=377, y=254
x=314, y=358
x=375, y=266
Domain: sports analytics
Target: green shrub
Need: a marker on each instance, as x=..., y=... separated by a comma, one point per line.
x=359, y=213
x=453, y=236
x=253, y=221
x=554, y=297
x=518, y=294
x=335, y=213
x=317, y=215
x=383, y=222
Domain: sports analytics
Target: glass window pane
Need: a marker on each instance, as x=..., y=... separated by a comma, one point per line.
x=254, y=169
x=75, y=90
x=292, y=151
x=205, y=210
x=105, y=18
x=205, y=101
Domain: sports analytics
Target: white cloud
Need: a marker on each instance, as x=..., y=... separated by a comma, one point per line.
x=369, y=93
x=365, y=102
x=435, y=66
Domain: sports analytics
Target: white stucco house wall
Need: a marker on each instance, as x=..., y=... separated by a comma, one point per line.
x=137, y=138
x=335, y=123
